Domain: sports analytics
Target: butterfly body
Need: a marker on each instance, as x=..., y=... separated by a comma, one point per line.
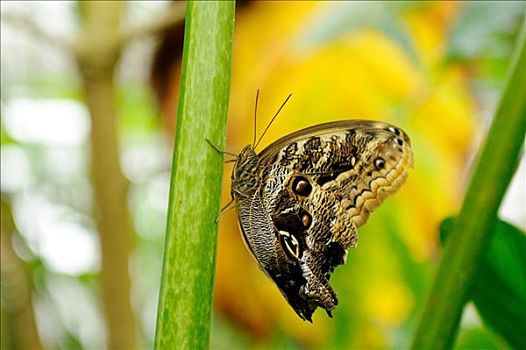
x=301, y=200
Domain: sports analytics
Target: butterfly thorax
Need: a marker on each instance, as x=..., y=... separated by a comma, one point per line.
x=245, y=172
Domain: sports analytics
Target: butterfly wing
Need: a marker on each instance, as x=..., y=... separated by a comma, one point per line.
x=317, y=186
x=262, y=235
x=362, y=161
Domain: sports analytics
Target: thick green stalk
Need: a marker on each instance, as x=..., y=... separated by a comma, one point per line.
x=474, y=226
x=183, y=319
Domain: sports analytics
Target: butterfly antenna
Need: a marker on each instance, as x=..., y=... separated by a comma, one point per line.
x=255, y=118
x=272, y=120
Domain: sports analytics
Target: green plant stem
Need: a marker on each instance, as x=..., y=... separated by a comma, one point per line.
x=474, y=226
x=183, y=319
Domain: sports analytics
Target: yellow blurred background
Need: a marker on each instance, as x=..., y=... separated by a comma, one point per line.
x=361, y=73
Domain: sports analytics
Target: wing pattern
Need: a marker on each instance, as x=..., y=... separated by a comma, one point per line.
x=313, y=189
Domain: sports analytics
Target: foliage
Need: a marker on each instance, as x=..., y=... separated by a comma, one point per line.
x=474, y=226
x=499, y=289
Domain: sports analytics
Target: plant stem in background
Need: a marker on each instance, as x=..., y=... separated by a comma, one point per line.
x=19, y=327
x=97, y=56
x=475, y=224
x=183, y=319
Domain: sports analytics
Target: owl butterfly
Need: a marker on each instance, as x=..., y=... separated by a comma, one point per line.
x=301, y=200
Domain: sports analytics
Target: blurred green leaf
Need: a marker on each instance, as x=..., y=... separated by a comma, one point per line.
x=469, y=39
x=71, y=342
x=472, y=231
x=5, y=138
x=480, y=338
x=137, y=111
x=499, y=292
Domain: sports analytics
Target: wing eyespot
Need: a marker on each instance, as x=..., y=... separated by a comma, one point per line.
x=301, y=186
x=394, y=130
x=306, y=219
x=379, y=163
x=292, y=246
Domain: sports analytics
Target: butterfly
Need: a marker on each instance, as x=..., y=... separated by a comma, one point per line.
x=301, y=199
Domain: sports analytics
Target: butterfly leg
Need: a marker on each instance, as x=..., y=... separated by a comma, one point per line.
x=219, y=149
x=226, y=208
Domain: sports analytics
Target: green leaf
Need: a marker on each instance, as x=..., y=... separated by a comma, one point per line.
x=479, y=338
x=499, y=289
x=469, y=39
x=473, y=229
